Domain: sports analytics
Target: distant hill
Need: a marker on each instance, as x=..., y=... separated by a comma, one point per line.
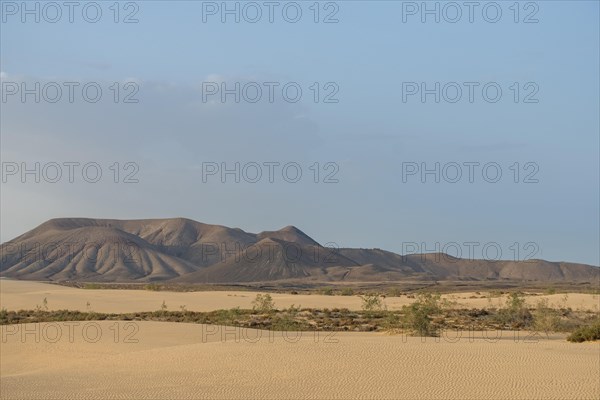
x=180, y=250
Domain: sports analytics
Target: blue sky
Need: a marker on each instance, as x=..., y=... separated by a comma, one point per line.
x=369, y=133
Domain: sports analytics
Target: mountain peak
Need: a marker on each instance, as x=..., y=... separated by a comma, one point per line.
x=290, y=234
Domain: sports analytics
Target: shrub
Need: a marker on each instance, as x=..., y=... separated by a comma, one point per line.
x=417, y=316
x=392, y=320
x=372, y=302
x=515, y=313
x=545, y=319
x=347, y=292
x=153, y=287
x=550, y=290
x=263, y=303
x=92, y=286
x=586, y=333
x=327, y=291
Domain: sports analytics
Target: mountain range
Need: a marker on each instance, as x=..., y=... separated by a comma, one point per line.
x=180, y=250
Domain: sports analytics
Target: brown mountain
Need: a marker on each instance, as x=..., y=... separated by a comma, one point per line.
x=184, y=251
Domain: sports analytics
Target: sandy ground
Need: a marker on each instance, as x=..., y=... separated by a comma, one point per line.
x=15, y=295
x=172, y=360
x=151, y=360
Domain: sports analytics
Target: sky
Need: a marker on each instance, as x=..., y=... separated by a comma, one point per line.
x=377, y=125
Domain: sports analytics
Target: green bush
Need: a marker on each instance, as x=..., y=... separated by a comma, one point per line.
x=327, y=291
x=418, y=315
x=372, y=302
x=153, y=287
x=263, y=303
x=92, y=286
x=515, y=313
x=347, y=292
x=545, y=318
x=586, y=333
x=392, y=320
x=550, y=290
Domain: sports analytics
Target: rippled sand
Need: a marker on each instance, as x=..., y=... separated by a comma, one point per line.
x=149, y=360
x=172, y=360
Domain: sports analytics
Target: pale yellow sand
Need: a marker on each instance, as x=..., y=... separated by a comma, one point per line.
x=15, y=295
x=174, y=360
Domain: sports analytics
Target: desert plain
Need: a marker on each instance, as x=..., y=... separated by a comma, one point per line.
x=16, y=295
x=150, y=360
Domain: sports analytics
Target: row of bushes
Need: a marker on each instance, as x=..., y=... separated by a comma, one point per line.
x=426, y=316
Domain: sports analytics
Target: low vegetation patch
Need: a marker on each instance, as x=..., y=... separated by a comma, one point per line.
x=585, y=333
x=91, y=286
x=426, y=316
x=152, y=287
x=418, y=316
x=515, y=314
x=545, y=318
x=327, y=291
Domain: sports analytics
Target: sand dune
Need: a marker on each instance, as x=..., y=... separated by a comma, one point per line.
x=173, y=360
x=15, y=295
x=153, y=360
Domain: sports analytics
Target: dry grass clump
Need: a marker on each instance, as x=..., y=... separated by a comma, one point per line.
x=586, y=333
